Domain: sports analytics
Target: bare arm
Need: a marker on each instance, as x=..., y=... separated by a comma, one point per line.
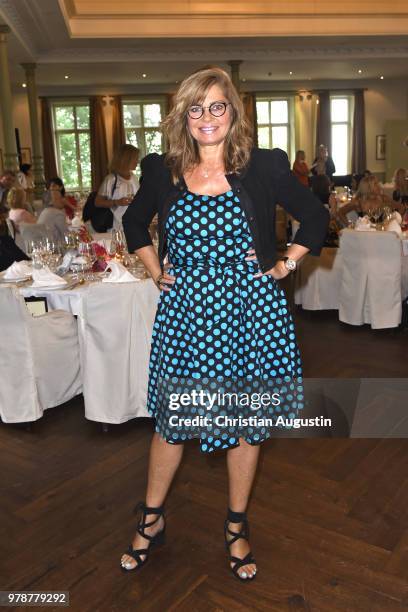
x=148, y=256
x=104, y=202
x=343, y=210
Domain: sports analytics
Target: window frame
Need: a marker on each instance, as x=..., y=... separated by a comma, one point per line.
x=290, y=125
x=143, y=101
x=76, y=131
x=349, y=124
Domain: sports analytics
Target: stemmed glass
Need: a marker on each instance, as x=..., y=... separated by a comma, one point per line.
x=88, y=256
x=118, y=246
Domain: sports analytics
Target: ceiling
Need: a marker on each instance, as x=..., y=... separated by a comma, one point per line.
x=43, y=32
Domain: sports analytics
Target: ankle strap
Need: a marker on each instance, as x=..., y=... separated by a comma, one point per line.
x=148, y=509
x=235, y=517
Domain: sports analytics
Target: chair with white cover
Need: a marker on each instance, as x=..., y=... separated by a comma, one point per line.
x=317, y=281
x=39, y=360
x=34, y=231
x=115, y=336
x=370, y=290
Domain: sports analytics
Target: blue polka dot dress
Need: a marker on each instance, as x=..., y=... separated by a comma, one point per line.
x=218, y=323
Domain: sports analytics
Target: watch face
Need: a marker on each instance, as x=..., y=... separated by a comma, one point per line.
x=290, y=264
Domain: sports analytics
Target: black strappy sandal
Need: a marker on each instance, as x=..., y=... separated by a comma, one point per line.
x=156, y=540
x=238, y=517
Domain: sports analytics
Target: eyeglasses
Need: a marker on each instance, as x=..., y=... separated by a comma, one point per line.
x=217, y=109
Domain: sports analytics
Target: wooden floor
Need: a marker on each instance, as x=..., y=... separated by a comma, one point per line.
x=329, y=520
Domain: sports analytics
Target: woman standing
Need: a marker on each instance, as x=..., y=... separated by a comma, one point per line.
x=301, y=169
x=221, y=311
x=120, y=185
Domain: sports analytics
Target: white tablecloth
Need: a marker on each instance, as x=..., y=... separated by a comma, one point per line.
x=115, y=323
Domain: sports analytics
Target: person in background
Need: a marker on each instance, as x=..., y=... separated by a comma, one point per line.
x=300, y=168
x=56, y=190
x=26, y=181
x=18, y=212
x=400, y=193
x=321, y=188
x=53, y=217
x=7, y=180
x=120, y=186
x=355, y=181
x=323, y=163
x=9, y=251
x=369, y=196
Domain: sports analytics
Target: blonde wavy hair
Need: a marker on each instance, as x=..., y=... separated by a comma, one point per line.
x=16, y=198
x=123, y=158
x=401, y=181
x=369, y=188
x=183, y=153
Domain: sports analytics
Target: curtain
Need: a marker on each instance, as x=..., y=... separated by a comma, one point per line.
x=323, y=127
x=118, y=130
x=358, y=148
x=50, y=163
x=249, y=101
x=99, y=150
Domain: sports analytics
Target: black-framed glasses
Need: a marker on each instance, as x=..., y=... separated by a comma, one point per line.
x=217, y=109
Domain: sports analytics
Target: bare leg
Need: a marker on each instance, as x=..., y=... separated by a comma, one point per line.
x=242, y=461
x=164, y=460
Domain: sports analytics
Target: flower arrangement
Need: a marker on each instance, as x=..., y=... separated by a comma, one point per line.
x=84, y=235
x=102, y=257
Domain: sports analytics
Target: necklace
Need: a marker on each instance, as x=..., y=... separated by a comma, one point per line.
x=206, y=173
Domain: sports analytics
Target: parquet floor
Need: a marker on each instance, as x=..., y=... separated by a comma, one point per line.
x=329, y=520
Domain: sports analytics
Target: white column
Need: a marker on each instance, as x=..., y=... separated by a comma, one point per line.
x=38, y=163
x=6, y=105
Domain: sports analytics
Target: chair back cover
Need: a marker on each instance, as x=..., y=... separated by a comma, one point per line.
x=370, y=290
x=115, y=336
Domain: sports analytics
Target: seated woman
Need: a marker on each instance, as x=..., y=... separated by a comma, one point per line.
x=16, y=199
x=400, y=193
x=56, y=190
x=53, y=217
x=369, y=197
x=9, y=251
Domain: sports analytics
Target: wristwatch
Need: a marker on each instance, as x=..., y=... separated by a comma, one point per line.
x=290, y=264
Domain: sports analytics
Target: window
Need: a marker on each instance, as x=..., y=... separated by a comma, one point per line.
x=72, y=143
x=274, y=118
x=141, y=119
x=340, y=110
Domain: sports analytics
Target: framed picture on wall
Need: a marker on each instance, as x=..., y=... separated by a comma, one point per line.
x=26, y=155
x=380, y=143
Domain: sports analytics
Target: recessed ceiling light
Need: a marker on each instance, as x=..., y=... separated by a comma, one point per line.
x=144, y=75
x=23, y=84
x=381, y=77
x=290, y=72
x=66, y=76
x=359, y=71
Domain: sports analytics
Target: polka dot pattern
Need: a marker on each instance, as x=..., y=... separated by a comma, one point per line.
x=218, y=322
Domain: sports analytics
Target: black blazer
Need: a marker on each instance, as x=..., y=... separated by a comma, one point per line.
x=266, y=181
